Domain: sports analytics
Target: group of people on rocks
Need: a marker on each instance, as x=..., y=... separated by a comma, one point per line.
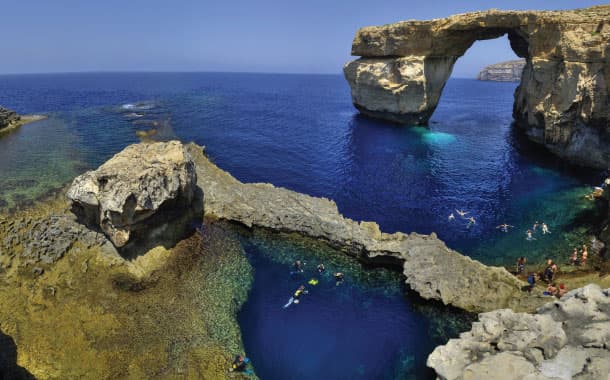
x=549, y=274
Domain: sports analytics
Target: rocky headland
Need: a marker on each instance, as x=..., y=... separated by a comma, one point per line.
x=564, y=339
x=561, y=102
x=10, y=120
x=509, y=71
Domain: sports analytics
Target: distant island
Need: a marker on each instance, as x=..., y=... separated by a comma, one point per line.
x=509, y=71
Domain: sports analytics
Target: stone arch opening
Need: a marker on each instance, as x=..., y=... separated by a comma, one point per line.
x=562, y=101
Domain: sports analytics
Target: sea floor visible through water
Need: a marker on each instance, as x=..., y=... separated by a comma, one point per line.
x=302, y=132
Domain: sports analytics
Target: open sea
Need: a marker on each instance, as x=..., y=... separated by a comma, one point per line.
x=302, y=132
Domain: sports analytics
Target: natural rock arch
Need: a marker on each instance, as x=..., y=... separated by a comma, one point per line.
x=561, y=102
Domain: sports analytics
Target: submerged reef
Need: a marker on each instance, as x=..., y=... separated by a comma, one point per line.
x=78, y=309
x=561, y=102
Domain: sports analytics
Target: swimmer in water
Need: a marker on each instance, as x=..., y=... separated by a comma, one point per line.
x=528, y=235
x=451, y=217
x=471, y=222
x=461, y=213
x=504, y=227
x=535, y=226
x=545, y=229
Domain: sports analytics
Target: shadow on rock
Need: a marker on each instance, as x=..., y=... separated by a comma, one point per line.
x=9, y=370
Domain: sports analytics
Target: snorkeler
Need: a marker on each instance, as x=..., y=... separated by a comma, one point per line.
x=321, y=268
x=451, y=217
x=338, y=277
x=471, y=222
x=461, y=213
x=528, y=235
x=239, y=364
x=504, y=227
x=298, y=266
x=535, y=226
x=295, y=298
x=545, y=229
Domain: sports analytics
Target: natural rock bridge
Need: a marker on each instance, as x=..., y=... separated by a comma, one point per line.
x=561, y=102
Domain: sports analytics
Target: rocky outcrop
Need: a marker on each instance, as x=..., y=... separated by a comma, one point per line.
x=138, y=188
x=565, y=339
x=7, y=118
x=509, y=71
x=431, y=269
x=562, y=101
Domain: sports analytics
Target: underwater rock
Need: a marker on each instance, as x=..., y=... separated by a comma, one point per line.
x=560, y=103
x=565, y=339
x=431, y=269
x=143, y=184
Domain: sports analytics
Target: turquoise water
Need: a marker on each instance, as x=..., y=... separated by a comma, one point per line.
x=302, y=132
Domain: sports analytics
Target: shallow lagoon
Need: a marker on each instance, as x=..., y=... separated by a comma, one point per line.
x=301, y=132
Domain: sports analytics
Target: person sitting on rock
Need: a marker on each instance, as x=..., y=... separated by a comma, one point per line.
x=562, y=290
x=551, y=290
x=531, y=280
x=584, y=255
x=548, y=271
x=321, y=268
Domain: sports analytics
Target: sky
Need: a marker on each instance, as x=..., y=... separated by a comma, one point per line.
x=306, y=36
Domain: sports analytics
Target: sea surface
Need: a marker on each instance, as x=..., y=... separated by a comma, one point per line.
x=302, y=132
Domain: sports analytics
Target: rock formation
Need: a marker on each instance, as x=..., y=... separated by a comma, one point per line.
x=561, y=102
x=143, y=181
x=565, y=339
x=509, y=71
x=7, y=117
x=431, y=269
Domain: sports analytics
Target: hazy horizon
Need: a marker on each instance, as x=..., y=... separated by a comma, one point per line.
x=202, y=36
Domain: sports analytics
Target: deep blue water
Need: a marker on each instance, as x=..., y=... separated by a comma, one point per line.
x=302, y=132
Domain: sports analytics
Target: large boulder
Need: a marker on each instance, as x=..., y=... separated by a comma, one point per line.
x=562, y=101
x=565, y=339
x=143, y=184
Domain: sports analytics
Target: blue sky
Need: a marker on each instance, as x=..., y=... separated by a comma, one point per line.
x=306, y=36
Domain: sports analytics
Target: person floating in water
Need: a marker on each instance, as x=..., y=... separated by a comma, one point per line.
x=298, y=266
x=321, y=268
x=529, y=236
x=338, y=277
x=451, y=217
x=535, y=226
x=239, y=364
x=471, y=222
x=297, y=294
x=521, y=264
x=461, y=213
x=545, y=229
x=504, y=227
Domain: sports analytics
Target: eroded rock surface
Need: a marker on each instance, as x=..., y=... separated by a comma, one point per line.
x=565, y=339
x=141, y=182
x=562, y=101
x=7, y=117
x=509, y=71
x=431, y=269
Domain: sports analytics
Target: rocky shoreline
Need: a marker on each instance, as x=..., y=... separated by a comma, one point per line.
x=509, y=71
x=53, y=260
x=10, y=120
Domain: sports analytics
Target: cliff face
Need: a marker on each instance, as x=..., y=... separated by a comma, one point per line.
x=509, y=71
x=562, y=101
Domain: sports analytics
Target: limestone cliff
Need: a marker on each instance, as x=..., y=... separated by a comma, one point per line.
x=509, y=71
x=565, y=339
x=562, y=101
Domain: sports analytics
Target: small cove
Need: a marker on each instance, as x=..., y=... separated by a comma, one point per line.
x=301, y=132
